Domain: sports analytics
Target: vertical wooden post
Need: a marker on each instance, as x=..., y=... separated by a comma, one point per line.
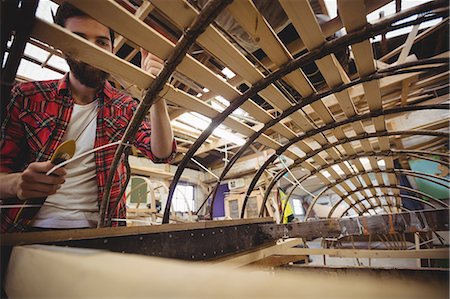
x=417, y=242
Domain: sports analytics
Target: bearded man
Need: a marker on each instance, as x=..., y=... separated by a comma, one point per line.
x=84, y=107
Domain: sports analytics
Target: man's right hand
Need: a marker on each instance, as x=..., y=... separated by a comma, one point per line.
x=34, y=183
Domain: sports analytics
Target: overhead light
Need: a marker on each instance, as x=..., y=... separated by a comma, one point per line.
x=205, y=90
x=228, y=73
x=338, y=169
x=193, y=120
x=199, y=94
x=222, y=100
x=232, y=137
x=326, y=174
x=201, y=122
x=366, y=163
x=381, y=163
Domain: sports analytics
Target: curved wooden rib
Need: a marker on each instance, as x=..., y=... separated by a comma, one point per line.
x=408, y=173
x=397, y=187
x=367, y=135
x=422, y=175
x=307, y=101
x=288, y=68
x=398, y=207
x=332, y=126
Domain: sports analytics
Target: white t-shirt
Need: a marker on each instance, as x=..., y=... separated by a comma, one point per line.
x=75, y=203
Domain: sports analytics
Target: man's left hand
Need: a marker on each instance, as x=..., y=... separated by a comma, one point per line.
x=151, y=63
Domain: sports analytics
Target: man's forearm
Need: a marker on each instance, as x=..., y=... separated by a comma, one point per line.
x=8, y=186
x=162, y=135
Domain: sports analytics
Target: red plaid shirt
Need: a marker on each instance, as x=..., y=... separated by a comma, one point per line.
x=36, y=120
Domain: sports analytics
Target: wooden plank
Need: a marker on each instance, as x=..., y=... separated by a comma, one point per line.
x=141, y=13
x=329, y=28
x=81, y=49
x=146, y=37
x=256, y=255
x=353, y=17
x=246, y=14
x=55, y=272
x=408, y=44
x=13, y=239
x=437, y=253
x=419, y=37
x=221, y=48
x=261, y=32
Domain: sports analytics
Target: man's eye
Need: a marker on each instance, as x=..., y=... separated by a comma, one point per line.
x=102, y=43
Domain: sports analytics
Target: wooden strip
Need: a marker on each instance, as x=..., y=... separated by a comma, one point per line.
x=408, y=44
x=438, y=253
x=141, y=13
x=55, y=272
x=353, y=17
x=256, y=25
x=418, y=38
x=258, y=28
x=141, y=34
x=247, y=258
x=79, y=48
x=329, y=28
x=13, y=239
x=225, y=51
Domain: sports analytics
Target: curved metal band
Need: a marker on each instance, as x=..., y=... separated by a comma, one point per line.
x=204, y=18
x=398, y=207
x=415, y=174
x=344, y=141
x=303, y=103
x=310, y=133
x=327, y=48
x=397, y=187
x=422, y=175
x=408, y=173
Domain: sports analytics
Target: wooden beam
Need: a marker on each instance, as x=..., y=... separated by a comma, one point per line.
x=243, y=259
x=55, y=272
x=13, y=239
x=144, y=36
x=436, y=253
x=79, y=48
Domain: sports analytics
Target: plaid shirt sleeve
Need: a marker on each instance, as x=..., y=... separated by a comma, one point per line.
x=12, y=132
x=143, y=139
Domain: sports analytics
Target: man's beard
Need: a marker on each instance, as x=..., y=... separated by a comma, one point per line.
x=86, y=74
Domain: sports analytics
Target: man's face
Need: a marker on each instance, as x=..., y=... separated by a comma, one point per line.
x=96, y=33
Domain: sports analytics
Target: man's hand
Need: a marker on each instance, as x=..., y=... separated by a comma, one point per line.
x=151, y=63
x=162, y=135
x=34, y=183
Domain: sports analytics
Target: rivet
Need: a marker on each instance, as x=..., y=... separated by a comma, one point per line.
x=192, y=256
x=141, y=238
x=105, y=241
x=170, y=235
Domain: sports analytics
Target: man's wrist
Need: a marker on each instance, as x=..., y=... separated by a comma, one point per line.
x=10, y=185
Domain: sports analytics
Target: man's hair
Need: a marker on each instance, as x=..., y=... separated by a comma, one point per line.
x=67, y=10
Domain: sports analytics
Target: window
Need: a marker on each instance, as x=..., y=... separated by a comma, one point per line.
x=298, y=207
x=183, y=200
